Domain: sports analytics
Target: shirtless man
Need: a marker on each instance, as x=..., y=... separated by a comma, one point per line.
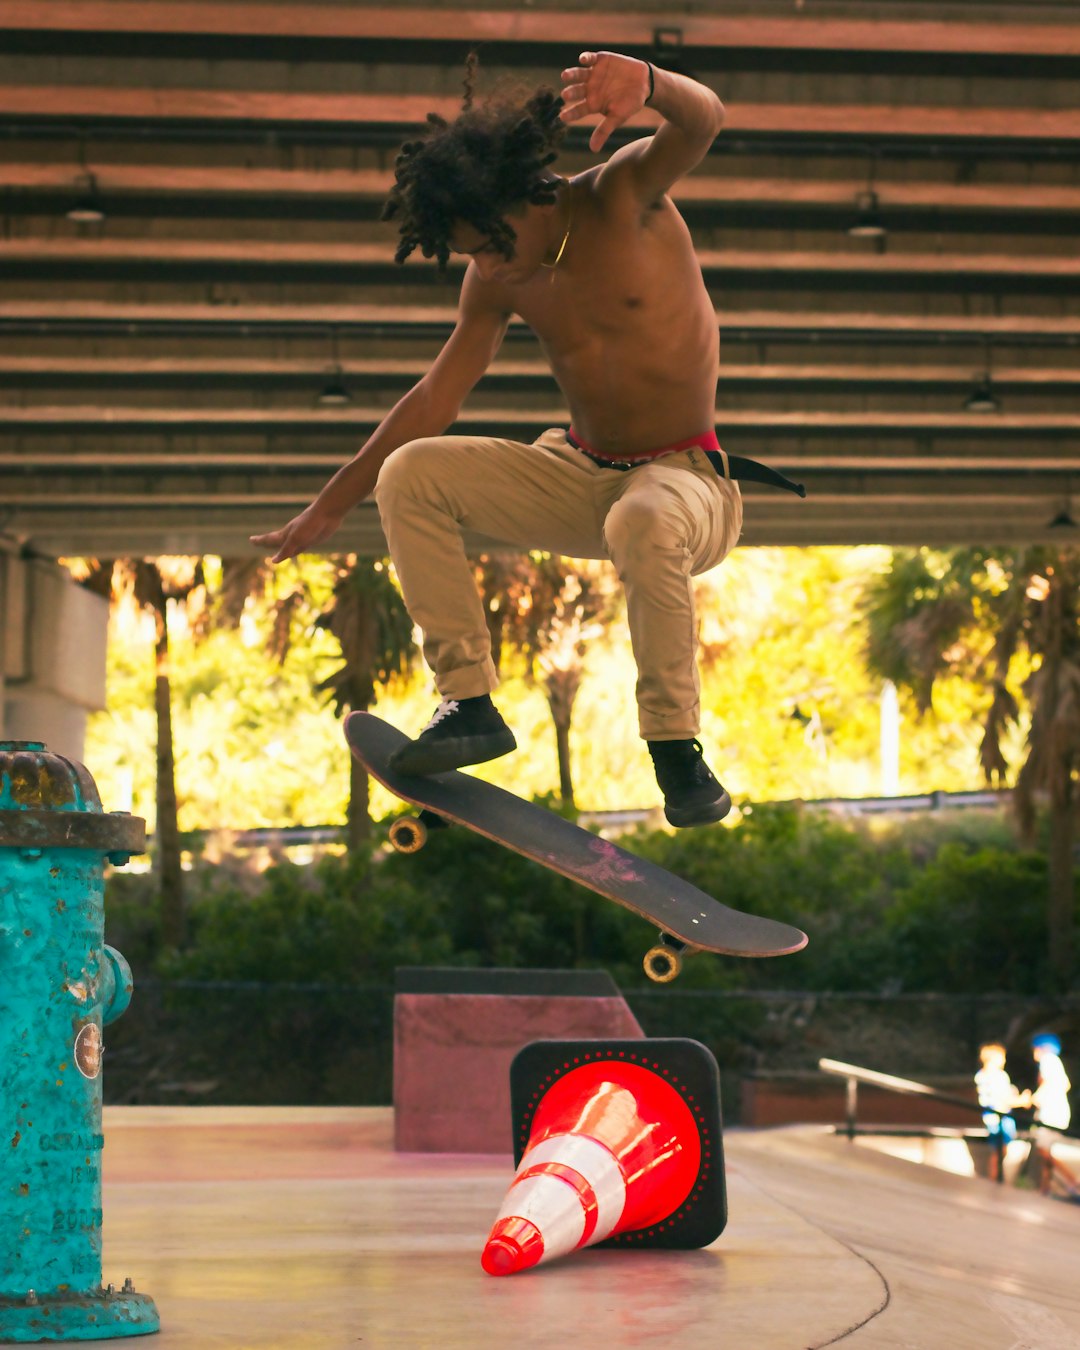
x=602, y=269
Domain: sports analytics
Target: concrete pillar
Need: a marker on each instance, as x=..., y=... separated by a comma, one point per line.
x=53, y=636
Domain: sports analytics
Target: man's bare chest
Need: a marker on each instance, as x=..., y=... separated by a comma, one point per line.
x=569, y=311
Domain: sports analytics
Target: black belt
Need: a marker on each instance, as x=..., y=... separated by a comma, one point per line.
x=727, y=466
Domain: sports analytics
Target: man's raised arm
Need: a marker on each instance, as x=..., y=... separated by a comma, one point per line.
x=616, y=87
x=426, y=410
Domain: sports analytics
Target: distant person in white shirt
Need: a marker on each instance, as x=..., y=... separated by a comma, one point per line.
x=1051, y=1102
x=997, y=1097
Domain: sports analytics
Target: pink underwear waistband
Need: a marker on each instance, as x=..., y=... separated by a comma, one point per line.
x=706, y=441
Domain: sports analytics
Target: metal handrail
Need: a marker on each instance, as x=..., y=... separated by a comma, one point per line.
x=855, y=1075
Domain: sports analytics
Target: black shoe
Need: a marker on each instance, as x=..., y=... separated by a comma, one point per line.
x=692, y=794
x=462, y=731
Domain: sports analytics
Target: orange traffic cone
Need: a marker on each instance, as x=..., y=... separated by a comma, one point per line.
x=623, y=1142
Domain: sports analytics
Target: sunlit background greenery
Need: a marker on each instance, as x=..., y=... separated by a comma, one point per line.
x=789, y=707
x=956, y=907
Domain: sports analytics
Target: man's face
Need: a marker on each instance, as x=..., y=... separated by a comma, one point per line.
x=530, y=224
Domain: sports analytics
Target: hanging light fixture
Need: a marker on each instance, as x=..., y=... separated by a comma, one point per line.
x=868, y=223
x=333, y=393
x=1064, y=519
x=87, y=208
x=982, y=398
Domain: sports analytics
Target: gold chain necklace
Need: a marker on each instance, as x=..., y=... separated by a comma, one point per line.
x=566, y=237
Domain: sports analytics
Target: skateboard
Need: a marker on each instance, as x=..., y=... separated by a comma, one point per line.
x=688, y=919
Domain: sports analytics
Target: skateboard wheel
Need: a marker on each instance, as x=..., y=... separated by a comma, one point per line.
x=408, y=834
x=662, y=963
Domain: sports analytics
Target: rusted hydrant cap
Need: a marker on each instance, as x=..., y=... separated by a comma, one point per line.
x=34, y=779
x=49, y=801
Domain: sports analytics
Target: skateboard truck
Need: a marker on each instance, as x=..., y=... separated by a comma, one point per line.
x=664, y=961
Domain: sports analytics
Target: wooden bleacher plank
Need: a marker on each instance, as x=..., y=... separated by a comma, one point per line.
x=88, y=103
x=802, y=32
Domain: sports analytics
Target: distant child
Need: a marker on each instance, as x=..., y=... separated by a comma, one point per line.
x=997, y=1097
x=1051, y=1102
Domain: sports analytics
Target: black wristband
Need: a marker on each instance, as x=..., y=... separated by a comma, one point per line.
x=652, y=82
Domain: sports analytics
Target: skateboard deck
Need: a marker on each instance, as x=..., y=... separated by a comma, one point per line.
x=688, y=918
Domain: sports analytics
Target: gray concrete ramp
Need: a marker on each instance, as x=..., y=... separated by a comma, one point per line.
x=965, y=1264
x=280, y=1229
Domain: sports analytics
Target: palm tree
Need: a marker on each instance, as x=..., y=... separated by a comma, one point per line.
x=365, y=613
x=152, y=583
x=245, y=579
x=548, y=611
x=368, y=617
x=978, y=612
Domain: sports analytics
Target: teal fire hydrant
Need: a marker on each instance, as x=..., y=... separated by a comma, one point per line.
x=59, y=985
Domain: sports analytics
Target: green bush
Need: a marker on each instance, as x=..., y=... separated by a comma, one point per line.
x=499, y=909
x=132, y=919
x=341, y=921
x=973, y=923
x=821, y=874
x=888, y=908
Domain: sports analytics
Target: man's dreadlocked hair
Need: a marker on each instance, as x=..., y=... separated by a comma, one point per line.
x=474, y=169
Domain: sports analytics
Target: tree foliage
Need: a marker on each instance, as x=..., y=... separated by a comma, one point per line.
x=153, y=585
x=781, y=634
x=547, y=611
x=368, y=618
x=982, y=614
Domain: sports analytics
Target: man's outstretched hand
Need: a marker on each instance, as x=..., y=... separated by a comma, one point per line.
x=302, y=533
x=605, y=84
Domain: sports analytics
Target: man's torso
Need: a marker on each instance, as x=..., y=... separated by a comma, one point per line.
x=627, y=324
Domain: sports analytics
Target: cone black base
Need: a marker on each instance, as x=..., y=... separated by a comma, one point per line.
x=689, y=1067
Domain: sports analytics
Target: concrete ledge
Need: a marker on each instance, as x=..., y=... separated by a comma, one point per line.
x=452, y=1050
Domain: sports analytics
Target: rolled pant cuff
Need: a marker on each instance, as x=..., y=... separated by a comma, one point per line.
x=468, y=682
x=664, y=731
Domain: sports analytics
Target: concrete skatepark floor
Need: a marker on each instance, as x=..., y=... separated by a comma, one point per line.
x=302, y=1229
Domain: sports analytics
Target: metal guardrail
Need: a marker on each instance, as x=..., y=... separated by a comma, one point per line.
x=855, y=1075
x=290, y=836
x=927, y=801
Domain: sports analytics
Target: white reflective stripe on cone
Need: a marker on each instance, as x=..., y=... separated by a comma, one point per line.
x=567, y=1212
x=550, y=1204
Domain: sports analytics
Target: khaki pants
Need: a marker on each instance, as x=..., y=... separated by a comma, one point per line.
x=659, y=524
